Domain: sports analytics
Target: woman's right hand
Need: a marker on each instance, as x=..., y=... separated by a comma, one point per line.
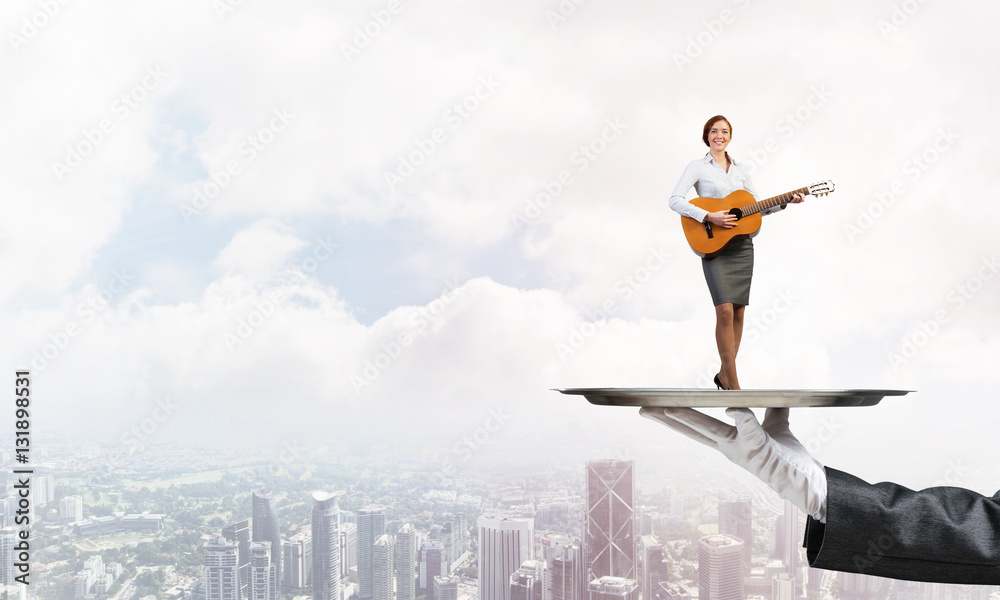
x=722, y=219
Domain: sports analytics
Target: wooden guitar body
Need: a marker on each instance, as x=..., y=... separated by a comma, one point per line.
x=710, y=241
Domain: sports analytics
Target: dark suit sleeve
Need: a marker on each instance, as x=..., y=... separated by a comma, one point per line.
x=943, y=534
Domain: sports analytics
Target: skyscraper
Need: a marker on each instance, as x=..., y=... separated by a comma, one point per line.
x=383, y=570
x=528, y=582
x=239, y=532
x=406, y=563
x=325, y=547
x=782, y=586
x=348, y=550
x=7, y=541
x=432, y=563
x=736, y=519
x=504, y=543
x=653, y=568
x=791, y=538
x=263, y=576
x=371, y=524
x=609, y=540
x=720, y=568
x=563, y=567
x=221, y=570
x=296, y=561
x=613, y=588
x=266, y=528
x=445, y=588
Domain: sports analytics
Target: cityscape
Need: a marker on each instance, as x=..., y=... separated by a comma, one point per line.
x=130, y=523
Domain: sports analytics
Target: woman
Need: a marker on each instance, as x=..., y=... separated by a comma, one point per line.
x=728, y=274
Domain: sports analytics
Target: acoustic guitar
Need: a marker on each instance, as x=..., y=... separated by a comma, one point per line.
x=708, y=240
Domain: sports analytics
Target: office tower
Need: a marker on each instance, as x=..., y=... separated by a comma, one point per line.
x=504, y=543
x=296, y=561
x=720, y=568
x=445, y=588
x=7, y=541
x=782, y=586
x=325, y=547
x=222, y=570
x=348, y=549
x=653, y=568
x=266, y=528
x=528, y=582
x=432, y=563
x=263, y=575
x=736, y=519
x=668, y=590
x=406, y=563
x=239, y=532
x=383, y=570
x=71, y=509
x=563, y=567
x=609, y=540
x=371, y=524
x=645, y=519
x=613, y=588
x=791, y=537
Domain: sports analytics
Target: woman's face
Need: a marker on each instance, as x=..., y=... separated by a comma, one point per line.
x=719, y=136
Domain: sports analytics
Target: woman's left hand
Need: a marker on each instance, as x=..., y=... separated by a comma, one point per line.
x=797, y=198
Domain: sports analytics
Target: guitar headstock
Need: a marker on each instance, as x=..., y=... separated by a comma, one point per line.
x=822, y=188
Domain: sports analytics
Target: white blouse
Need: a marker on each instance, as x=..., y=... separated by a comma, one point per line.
x=710, y=181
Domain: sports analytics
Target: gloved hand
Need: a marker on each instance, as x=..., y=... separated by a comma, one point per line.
x=770, y=452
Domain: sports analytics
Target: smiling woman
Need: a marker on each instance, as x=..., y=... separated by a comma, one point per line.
x=728, y=273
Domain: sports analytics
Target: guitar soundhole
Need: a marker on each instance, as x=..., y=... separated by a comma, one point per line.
x=736, y=212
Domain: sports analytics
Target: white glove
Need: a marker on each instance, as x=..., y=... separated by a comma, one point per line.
x=770, y=452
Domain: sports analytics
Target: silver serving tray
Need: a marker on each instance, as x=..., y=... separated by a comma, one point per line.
x=703, y=398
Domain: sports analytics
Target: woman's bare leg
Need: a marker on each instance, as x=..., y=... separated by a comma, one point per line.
x=727, y=341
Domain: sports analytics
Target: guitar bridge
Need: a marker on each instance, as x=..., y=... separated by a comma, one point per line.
x=708, y=229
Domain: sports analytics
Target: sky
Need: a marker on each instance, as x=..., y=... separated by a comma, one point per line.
x=403, y=223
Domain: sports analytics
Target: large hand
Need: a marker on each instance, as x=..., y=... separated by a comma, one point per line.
x=770, y=452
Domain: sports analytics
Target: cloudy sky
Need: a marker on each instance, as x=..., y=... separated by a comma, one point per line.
x=397, y=220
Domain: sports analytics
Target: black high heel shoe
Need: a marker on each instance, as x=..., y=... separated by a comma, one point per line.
x=719, y=383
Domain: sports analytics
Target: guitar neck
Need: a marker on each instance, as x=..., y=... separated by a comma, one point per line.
x=785, y=198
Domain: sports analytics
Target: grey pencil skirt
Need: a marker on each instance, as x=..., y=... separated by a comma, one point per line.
x=728, y=274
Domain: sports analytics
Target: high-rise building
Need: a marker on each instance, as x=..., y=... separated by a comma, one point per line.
x=445, y=588
x=371, y=524
x=791, y=538
x=267, y=529
x=432, y=562
x=263, y=576
x=325, y=547
x=528, y=582
x=609, y=537
x=504, y=543
x=71, y=509
x=653, y=569
x=348, y=550
x=782, y=586
x=239, y=532
x=222, y=580
x=563, y=567
x=669, y=590
x=406, y=563
x=383, y=570
x=296, y=560
x=613, y=588
x=720, y=568
x=736, y=519
x=7, y=541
